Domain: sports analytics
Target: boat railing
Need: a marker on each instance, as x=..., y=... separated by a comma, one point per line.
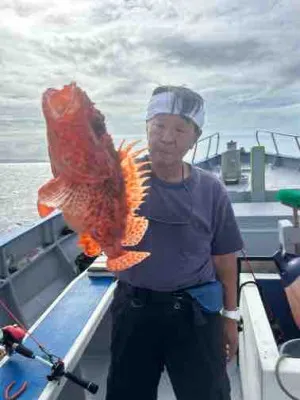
x=209, y=138
x=275, y=135
x=20, y=246
x=32, y=260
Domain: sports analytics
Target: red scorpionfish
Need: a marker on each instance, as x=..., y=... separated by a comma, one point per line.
x=97, y=188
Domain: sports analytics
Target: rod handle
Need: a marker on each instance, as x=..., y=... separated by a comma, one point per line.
x=89, y=386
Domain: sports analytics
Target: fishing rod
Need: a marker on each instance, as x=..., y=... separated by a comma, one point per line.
x=11, y=338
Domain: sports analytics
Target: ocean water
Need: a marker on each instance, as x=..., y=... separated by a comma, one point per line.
x=19, y=182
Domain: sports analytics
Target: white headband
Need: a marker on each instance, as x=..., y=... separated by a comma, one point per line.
x=163, y=103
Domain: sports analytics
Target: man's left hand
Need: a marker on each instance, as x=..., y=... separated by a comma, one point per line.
x=231, y=337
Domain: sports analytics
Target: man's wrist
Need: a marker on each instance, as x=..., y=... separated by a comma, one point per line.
x=231, y=314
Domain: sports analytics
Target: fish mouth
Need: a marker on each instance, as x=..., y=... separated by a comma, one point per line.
x=61, y=102
x=64, y=103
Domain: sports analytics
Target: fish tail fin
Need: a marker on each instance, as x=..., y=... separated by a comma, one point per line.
x=89, y=245
x=126, y=260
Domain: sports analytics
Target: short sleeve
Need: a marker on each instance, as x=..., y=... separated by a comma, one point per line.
x=226, y=237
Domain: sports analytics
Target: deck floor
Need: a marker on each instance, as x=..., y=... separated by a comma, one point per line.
x=95, y=363
x=98, y=371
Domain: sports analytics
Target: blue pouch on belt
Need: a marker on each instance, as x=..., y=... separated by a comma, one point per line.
x=208, y=295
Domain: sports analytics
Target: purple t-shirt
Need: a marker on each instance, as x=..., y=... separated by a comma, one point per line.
x=188, y=223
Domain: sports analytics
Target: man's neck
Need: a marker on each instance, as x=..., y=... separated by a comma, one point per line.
x=173, y=173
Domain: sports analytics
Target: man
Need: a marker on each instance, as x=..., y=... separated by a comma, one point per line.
x=166, y=310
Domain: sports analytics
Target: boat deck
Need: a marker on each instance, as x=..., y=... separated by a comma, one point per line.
x=95, y=364
x=65, y=329
x=276, y=177
x=77, y=328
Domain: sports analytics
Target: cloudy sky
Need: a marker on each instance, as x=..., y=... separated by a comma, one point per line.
x=241, y=55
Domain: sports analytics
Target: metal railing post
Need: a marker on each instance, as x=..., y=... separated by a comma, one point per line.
x=209, y=138
x=273, y=136
x=275, y=143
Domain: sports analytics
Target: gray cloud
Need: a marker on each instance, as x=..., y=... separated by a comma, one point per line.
x=242, y=56
x=203, y=54
x=291, y=73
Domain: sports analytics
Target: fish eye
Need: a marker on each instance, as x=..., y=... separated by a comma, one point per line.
x=98, y=125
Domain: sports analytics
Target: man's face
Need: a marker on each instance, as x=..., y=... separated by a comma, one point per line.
x=169, y=138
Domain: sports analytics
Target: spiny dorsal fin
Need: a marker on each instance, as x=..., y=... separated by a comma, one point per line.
x=134, y=176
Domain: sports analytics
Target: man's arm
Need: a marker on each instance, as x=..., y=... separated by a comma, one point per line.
x=226, y=242
x=226, y=269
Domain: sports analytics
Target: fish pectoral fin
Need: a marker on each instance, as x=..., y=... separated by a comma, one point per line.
x=44, y=210
x=71, y=199
x=45, y=203
x=54, y=193
x=126, y=260
x=89, y=245
x=135, y=230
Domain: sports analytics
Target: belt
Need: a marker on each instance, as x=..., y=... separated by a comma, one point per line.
x=152, y=296
x=149, y=294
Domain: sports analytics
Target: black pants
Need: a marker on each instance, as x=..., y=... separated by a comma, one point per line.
x=153, y=331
